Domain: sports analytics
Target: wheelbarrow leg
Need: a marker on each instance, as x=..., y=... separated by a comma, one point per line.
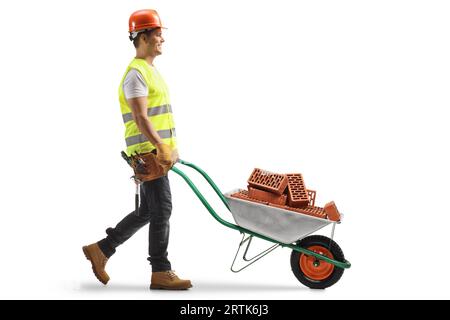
x=255, y=258
x=332, y=234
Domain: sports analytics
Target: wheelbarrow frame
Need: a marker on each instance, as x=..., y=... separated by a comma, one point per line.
x=340, y=264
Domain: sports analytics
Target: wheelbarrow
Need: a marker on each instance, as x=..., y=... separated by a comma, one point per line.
x=316, y=261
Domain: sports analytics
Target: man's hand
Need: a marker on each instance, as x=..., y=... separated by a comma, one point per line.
x=175, y=156
x=164, y=154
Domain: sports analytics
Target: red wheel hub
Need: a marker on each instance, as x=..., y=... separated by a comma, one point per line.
x=314, y=268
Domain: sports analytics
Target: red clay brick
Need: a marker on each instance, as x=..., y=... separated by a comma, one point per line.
x=313, y=211
x=332, y=211
x=297, y=193
x=266, y=196
x=265, y=180
x=312, y=197
x=243, y=194
x=309, y=210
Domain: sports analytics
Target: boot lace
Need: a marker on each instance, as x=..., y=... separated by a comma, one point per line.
x=172, y=274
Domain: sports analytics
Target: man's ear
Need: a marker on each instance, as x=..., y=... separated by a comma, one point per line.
x=145, y=37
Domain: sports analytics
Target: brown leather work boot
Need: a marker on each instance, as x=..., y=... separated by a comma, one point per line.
x=98, y=260
x=168, y=280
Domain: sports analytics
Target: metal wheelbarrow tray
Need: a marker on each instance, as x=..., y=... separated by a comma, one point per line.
x=279, y=224
x=316, y=261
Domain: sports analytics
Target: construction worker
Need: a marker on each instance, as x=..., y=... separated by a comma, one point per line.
x=150, y=134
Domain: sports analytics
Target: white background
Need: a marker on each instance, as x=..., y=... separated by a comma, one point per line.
x=353, y=94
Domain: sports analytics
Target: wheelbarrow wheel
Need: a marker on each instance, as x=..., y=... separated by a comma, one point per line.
x=315, y=273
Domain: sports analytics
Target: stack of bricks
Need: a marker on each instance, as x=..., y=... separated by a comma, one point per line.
x=286, y=191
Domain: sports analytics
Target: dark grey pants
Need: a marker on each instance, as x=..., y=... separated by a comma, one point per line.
x=155, y=208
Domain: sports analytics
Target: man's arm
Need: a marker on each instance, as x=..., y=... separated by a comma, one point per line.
x=139, y=111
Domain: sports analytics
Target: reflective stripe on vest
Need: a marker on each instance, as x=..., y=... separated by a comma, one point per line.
x=153, y=111
x=140, y=138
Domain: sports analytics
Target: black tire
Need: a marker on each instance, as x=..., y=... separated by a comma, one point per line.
x=326, y=243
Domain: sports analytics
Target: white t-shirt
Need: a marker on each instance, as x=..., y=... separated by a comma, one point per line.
x=134, y=85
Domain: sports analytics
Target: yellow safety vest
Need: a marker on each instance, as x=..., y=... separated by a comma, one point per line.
x=159, y=111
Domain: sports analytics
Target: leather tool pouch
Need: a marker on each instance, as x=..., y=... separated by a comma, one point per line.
x=146, y=167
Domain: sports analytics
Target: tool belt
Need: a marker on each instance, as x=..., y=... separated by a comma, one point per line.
x=146, y=167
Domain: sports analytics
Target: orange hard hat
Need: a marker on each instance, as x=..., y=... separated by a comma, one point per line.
x=144, y=20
